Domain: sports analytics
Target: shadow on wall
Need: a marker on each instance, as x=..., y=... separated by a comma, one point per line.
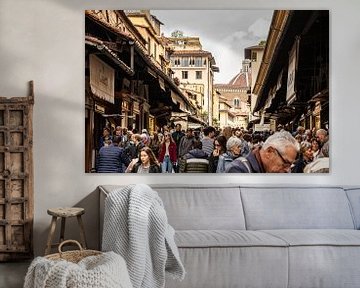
x=72, y=231
x=11, y=86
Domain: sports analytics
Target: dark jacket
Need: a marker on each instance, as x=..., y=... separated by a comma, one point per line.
x=154, y=168
x=130, y=150
x=196, y=153
x=241, y=164
x=111, y=159
x=245, y=149
x=299, y=165
x=213, y=163
x=185, y=145
x=102, y=140
x=177, y=135
x=155, y=147
x=139, y=146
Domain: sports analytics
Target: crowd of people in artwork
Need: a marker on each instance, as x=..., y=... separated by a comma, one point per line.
x=228, y=150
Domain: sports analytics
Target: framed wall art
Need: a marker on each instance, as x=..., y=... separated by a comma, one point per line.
x=231, y=91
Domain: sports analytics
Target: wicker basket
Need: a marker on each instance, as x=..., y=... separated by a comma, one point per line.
x=72, y=256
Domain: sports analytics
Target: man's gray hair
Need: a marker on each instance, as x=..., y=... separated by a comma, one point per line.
x=321, y=131
x=233, y=141
x=281, y=140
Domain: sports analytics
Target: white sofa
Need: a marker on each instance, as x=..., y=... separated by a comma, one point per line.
x=242, y=236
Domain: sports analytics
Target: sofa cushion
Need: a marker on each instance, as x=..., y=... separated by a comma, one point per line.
x=324, y=266
x=317, y=237
x=220, y=267
x=327, y=258
x=354, y=198
x=226, y=238
x=191, y=207
x=203, y=208
x=296, y=208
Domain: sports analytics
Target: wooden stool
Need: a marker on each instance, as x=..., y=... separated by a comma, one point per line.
x=64, y=213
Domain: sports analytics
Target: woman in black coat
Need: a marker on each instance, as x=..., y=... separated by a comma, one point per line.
x=147, y=162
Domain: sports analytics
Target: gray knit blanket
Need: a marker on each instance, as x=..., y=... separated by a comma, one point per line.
x=107, y=270
x=136, y=227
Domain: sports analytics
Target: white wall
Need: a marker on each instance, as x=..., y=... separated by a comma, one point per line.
x=43, y=40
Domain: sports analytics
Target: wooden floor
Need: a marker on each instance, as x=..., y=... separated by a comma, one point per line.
x=12, y=274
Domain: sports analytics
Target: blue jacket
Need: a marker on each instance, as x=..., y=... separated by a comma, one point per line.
x=111, y=159
x=252, y=164
x=225, y=160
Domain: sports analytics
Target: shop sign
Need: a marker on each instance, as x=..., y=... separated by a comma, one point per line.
x=125, y=106
x=136, y=107
x=99, y=108
x=262, y=127
x=102, y=79
x=317, y=108
x=292, y=70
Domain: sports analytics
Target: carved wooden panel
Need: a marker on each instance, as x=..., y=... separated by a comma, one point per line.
x=16, y=177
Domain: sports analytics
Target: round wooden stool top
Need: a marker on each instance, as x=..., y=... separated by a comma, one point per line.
x=66, y=211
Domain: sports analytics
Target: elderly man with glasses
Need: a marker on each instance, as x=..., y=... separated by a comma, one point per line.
x=276, y=155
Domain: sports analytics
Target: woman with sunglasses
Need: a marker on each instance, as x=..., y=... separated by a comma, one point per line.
x=220, y=148
x=167, y=155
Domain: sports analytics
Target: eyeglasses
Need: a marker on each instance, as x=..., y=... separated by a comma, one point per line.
x=286, y=163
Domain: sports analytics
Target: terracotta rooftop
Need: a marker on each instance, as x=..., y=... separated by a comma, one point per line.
x=242, y=79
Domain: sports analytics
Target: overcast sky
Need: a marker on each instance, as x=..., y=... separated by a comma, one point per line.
x=224, y=33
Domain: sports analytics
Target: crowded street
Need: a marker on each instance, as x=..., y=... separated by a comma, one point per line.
x=207, y=150
x=161, y=103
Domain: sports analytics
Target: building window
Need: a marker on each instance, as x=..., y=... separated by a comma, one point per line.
x=155, y=50
x=185, y=61
x=184, y=74
x=149, y=43
x=204, y=62
x=175, y=61
x=198, y=74
x=253, y=56
x=198, y=61
x=236, y=102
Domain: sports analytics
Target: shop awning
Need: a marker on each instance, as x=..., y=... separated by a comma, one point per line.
x=93, y=41
x=322, y=96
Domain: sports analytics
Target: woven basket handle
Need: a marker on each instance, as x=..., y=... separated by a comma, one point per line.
x=69, y=241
